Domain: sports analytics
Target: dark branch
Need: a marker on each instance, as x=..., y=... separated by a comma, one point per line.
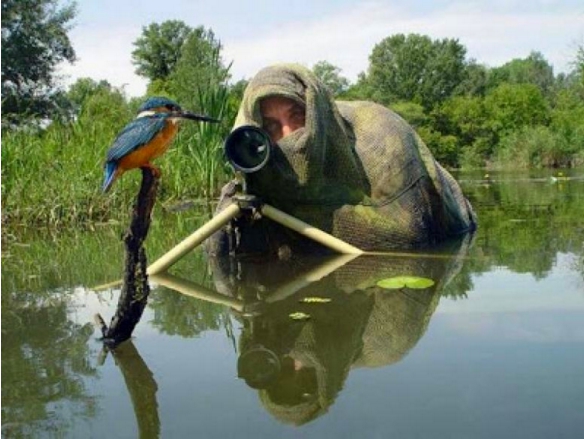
x=135, y=289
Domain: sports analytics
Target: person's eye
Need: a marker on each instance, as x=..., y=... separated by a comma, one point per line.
x=298, y=115
x=299, y=118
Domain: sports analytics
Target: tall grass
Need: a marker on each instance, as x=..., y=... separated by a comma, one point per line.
x=538, y=147
x=52, y=177
x=195, y=167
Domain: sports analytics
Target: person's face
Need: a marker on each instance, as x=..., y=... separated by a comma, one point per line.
x=281, y=116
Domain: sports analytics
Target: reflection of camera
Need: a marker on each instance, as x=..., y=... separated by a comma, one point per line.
x=258, y=366
x=248, y=148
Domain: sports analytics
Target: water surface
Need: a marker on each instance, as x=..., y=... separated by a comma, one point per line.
x=494, y=349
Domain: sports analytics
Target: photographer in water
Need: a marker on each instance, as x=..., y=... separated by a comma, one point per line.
x=353, y=169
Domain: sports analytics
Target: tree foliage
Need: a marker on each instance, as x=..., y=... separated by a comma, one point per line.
x=415, y=68
x=34, y=41
x=199, y=68
x=83, y=90
x=531, y=70
x=514, y=106
x=330, y=75
x=159, y=48
x=474, y=81
x=579, y=63
x=181, y=62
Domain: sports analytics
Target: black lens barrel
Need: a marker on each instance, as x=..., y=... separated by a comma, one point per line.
x=248, y=148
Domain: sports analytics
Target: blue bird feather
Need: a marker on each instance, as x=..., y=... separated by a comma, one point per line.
x=156, y=102
x=136, y=134
x=110, y=173
x=153, y=115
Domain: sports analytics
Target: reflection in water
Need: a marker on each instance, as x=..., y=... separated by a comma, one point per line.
x=141, y=386
x=299, y=367
x=45, y=358
x=524, y=224
x=51, y=387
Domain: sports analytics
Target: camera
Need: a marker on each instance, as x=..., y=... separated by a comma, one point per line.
x=248, y=148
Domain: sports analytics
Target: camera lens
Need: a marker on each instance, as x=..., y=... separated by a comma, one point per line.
x=248, y=148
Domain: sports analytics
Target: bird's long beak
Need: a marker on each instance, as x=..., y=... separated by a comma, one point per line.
x=193, y=116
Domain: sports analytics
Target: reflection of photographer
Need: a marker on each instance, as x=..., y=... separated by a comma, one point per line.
x=300, y=366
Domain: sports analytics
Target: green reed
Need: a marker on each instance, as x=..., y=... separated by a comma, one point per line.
x=195, y=167
x=52, y=177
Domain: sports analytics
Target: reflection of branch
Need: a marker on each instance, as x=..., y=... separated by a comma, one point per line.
x=135, y=290
x=141, y=386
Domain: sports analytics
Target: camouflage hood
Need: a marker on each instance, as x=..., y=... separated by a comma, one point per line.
x=313, y=160
x=355, y=170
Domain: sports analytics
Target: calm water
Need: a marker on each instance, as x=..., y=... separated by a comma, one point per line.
x=494, y=349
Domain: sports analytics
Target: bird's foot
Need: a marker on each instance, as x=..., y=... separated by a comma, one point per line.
x=155, y=171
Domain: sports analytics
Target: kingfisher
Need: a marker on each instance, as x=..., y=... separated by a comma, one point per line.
x=146, y=137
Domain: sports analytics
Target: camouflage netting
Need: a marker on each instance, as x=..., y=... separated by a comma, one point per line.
x=363, y=325
x=356, y=170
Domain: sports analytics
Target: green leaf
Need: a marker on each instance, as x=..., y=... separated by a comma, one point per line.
x=315, y=299
x=405, y=281
x=299, y=316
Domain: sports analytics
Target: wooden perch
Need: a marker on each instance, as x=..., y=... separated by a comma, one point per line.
x=135, y=288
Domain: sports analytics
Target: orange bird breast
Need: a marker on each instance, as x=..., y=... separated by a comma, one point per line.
x=155, y=148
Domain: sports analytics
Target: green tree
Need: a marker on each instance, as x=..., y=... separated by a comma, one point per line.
x=514, y=106
x=360, y=90
x=579, y=63
x=413, y=113
x=330, y=75
x=567, y=116
x=474, y=81
x=443, y=146
x=466, y=118
x=531, y=70
x=415, y=68
x=82, y=90
x=159, y=48
x=34, y=41
x=199, y=69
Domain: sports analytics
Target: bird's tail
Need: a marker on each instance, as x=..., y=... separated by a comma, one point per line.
x=110, y=176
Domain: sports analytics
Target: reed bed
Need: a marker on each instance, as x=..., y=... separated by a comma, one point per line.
x=52, y=176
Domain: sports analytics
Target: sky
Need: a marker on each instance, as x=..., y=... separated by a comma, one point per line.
x=255, y=34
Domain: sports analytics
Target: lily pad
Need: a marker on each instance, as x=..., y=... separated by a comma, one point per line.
x=398, y=282
x=315, y=299
x=299, y=316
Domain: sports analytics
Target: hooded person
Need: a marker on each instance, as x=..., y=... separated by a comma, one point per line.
x=353, y=169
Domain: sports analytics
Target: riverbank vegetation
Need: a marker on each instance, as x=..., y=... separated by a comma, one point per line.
x=54, y=140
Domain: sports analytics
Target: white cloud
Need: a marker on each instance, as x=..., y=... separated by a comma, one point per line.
x=105, y=54
x=346, y=39
x=491, y=33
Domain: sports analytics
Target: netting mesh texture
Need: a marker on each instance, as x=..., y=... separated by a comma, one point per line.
x=356, y=170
